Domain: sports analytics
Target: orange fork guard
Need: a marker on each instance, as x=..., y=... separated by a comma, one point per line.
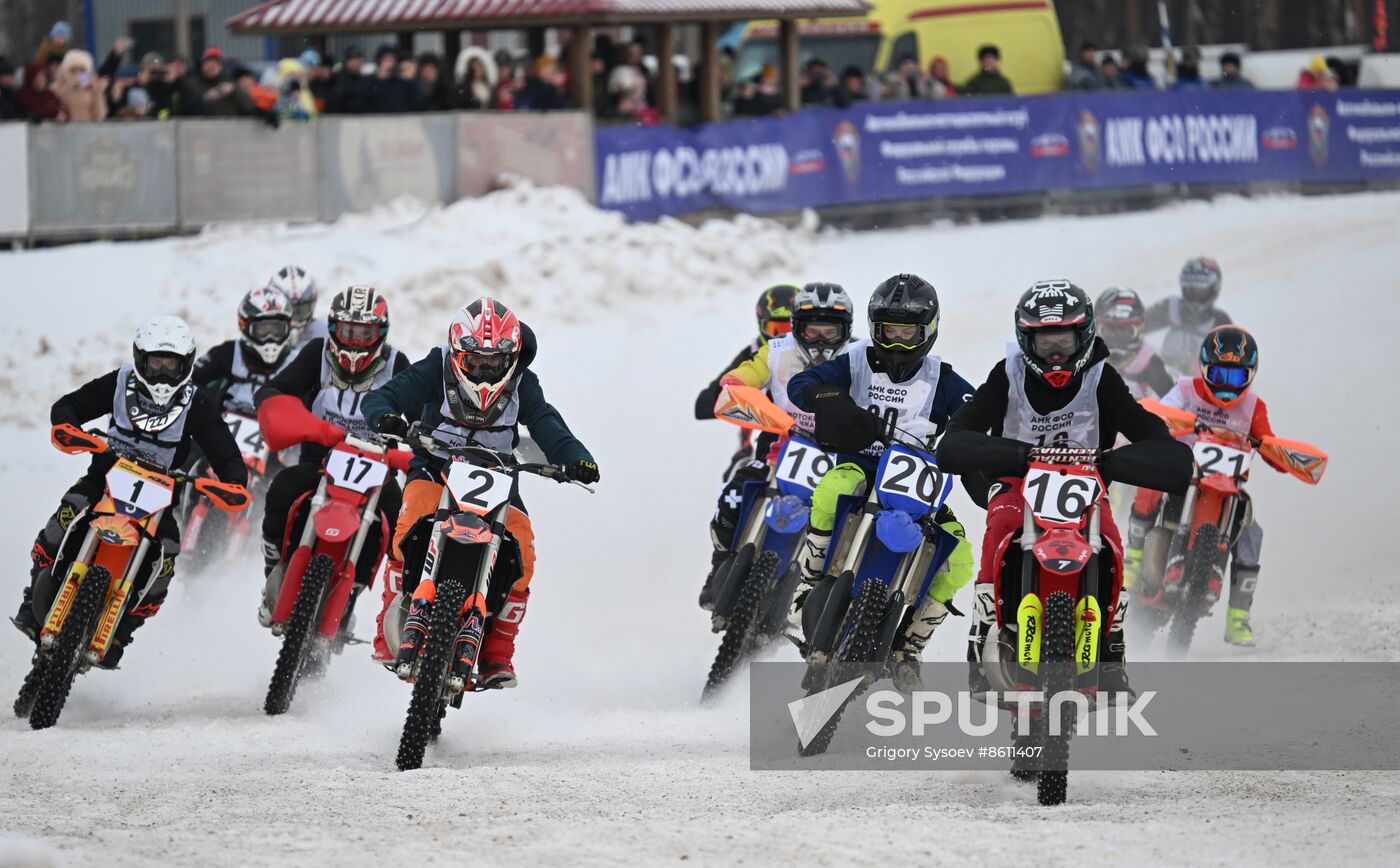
x=1178, y=421
x=748, y=407
x=73, y=440
x=229, y=498
x=1295, y=457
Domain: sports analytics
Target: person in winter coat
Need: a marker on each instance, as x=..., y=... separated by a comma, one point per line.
x=348, y=85
x=1135, y=74
x=477, y=83
x=1188, y=71
x=1084, y=74
x=990, y=81
x=1230, y=75
x=34, y=98
x=56, y=44
x=82, y=92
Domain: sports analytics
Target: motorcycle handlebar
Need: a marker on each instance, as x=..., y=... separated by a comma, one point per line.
x=429, y=443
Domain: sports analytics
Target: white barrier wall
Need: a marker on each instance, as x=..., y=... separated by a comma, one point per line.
x=83, y=179
x=14, y=180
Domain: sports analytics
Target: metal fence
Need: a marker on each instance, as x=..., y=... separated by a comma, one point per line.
x=111, y=179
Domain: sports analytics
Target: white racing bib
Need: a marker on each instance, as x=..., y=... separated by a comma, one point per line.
x=477, y=489
x=1077, y=423
x=903, y=408
x=358, y=473
x=1060, y=497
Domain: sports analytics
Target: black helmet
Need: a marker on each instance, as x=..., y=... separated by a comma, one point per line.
x=774, y=310
x=817, y=304
x=1055, y=329
x=1200, y=281
x=1229, y=358
x=903, y=302
x=1121, y=315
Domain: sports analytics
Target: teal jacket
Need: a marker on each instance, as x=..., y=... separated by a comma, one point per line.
x=417, y=392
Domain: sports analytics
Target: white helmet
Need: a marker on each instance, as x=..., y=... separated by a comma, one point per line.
x=300, y=290
x=163, y=357
x=265, y=324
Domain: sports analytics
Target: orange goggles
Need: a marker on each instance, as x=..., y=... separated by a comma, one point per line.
x=776, y=328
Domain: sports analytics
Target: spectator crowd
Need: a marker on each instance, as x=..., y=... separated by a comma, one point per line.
x=63, y=83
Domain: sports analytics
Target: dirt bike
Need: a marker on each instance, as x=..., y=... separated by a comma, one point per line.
x=95, y=590
x=887, y=554
x=212, y=536
x=313, y=589
x=458, y=573
x=1186, y=555
x=754, y=586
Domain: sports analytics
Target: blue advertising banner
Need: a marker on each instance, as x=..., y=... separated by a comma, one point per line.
x=982, y=147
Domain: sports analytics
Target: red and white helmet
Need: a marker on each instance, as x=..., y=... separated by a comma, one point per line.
x=483, y=347
x=357, y=342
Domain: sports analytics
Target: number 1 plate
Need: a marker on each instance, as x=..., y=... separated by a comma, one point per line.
x=137, y=491
x=477, y=489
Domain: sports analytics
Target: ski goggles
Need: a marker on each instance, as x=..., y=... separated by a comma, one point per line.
x=355, y=334
x=821, y=334
x=1060, y=342
x=262, y=331
x=899, y=336
x=776, y=328
x=163, y=368
x=1228, y=376
x=483, y=367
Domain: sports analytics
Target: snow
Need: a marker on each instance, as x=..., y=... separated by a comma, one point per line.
x=603, y=755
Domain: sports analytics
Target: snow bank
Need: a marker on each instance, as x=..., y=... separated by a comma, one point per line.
x=554, y=256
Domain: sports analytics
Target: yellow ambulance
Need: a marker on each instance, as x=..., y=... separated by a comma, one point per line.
x=1026, y=32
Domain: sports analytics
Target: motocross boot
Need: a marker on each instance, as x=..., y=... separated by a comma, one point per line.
x=1242, y=582
x=982, y=624
x=707, y=593
x=272, y=559
x=915, y=631
x=415, y=630
x=24, y=619
x=1113, y=676
x=811, y=558
x=497, y=668
x=1237, y=629
x=393, y=585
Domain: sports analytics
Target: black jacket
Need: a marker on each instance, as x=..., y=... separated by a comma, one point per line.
x=973, y=445
x=205, y=426
x=705, y=401
x=302, y=379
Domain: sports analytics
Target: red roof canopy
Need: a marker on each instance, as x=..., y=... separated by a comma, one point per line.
x=329, y=16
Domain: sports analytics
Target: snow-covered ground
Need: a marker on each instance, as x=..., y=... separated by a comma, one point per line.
x=603, y=755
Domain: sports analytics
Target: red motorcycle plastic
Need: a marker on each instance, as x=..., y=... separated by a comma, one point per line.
x=319, y=565
x=1185, y=560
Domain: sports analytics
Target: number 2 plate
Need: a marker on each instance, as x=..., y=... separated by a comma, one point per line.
x=477, y=489
x=1060, y=497
x=910, y=481
x=357, y=473
x=1218, y=458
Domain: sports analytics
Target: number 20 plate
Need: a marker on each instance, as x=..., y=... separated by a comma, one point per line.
x=911, y=481
x=477, y=489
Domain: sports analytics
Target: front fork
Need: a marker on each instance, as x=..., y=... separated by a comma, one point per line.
x=1030, y=611
x=113, y=605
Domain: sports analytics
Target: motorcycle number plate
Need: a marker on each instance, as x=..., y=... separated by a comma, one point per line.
x=1219, y=458
x=477, y=489
x=1061, y=498
x=139, y=492
x=358, y=473
x=803, y=464
x=908, y=478
x=248, y=435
